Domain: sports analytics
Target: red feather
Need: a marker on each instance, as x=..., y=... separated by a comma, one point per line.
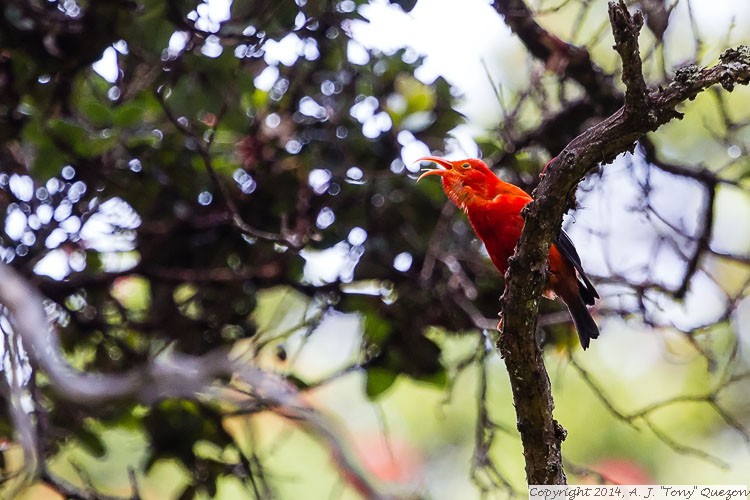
x=494, y=209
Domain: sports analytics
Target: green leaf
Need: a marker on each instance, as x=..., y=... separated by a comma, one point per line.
x=99, y=145
x=379, y=380
x=71, y=133
x=438, y=379
x=47, y=158
x=128, y=115
x=377, y=328
x=91, y=442
x=98, y=114
x=47, y=162
x=80, y=140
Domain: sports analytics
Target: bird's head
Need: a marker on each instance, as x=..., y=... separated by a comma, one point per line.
x=463, y=180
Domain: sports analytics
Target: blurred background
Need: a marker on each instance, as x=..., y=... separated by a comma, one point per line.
x=188, y=175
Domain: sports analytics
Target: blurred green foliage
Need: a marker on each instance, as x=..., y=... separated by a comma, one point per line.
x=186, y=142
x=223, y=191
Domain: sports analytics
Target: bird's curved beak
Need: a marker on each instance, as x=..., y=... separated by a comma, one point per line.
x=443, y=166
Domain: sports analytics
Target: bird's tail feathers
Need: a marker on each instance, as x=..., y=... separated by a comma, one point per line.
x=585, y=324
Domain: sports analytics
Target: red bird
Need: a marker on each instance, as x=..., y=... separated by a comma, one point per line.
x=494, y=211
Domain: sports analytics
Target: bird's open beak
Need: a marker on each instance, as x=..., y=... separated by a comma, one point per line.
x=443, y=166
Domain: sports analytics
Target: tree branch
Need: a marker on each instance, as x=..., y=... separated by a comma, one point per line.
x=541, y=435
x=565, y=58
x=171, y=374
x=573, y=62
x=625, y=28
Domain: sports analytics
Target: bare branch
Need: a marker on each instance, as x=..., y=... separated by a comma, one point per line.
x=681, y=448
x=643, y=415
x=484, y=471
x=72, y=491
x=571, y=60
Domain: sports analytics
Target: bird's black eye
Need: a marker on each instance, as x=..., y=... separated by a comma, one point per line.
x=465, y=165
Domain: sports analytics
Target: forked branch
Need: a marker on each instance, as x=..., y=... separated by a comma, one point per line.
x=645, y=111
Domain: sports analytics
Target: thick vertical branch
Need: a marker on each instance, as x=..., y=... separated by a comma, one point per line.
x=625, y=28
x=541, y=435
